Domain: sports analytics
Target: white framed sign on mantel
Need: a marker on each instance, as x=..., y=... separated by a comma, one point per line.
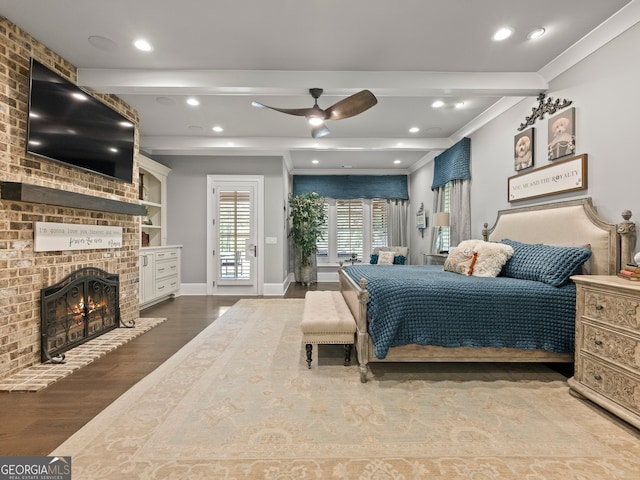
x=53, y=237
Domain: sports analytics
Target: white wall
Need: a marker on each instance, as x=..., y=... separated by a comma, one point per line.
x=605, y=92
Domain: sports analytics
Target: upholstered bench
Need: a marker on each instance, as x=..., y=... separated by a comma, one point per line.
x=326, y=319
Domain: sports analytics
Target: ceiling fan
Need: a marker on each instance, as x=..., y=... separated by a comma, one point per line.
x=345, y=108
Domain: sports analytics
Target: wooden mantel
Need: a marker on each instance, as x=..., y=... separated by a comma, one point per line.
x=24, y=192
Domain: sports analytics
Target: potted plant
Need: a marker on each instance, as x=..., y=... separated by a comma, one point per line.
x=307, y=217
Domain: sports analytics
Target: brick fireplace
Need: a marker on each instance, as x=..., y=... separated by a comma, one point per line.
x=23, y=271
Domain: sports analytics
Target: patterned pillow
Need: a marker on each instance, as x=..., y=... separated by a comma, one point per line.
x=374, y=258
x=544, y=263
x=460, y=260
x=386, y=258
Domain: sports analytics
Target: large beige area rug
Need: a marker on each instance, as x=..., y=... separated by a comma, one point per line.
x=238, y=402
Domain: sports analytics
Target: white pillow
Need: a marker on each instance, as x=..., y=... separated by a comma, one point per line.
x=490, y=257
x=386, y=258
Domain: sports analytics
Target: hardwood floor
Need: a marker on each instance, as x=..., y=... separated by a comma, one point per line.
x=36, y=423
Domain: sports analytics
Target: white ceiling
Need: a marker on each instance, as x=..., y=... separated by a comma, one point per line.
x=228, y=53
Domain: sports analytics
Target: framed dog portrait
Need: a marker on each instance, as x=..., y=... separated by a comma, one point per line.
x=562, y=137
x=523, y=150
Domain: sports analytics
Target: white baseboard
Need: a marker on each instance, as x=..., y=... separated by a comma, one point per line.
x=193, y=288
x=268, y=290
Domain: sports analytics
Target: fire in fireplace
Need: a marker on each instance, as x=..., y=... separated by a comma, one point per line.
x=82, y=306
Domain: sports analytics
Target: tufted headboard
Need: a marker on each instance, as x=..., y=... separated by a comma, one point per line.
x=574, y=223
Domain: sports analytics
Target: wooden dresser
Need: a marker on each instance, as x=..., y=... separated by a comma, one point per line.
x=607, y=362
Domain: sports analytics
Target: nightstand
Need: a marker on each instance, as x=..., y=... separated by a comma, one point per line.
x=434, y=258
x=607, y=357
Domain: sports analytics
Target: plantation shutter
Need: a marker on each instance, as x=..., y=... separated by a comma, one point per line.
x=349, y=228
x=235, y=230
x=378, y=223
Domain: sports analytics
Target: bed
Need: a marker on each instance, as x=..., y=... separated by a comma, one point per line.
x=533, y=321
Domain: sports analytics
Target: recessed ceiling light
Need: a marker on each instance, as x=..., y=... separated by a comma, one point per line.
x=143, y=45
x=437, y=104
x=193, y=102
x=459, y=104
x=218, y=129
x=537, y=33
x=397, y=161
x=315, y=161
x=502, y=34
x=414, y=130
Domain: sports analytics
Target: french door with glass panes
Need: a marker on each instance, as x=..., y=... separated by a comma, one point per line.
x=233, y=266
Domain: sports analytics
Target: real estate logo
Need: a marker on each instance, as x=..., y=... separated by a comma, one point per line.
x=35, y=468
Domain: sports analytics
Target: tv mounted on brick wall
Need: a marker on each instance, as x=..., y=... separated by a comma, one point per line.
x=68, y=125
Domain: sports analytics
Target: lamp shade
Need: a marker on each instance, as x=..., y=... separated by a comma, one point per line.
x=441, y=219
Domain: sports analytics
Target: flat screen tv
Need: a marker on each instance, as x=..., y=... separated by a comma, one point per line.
x=68, y=125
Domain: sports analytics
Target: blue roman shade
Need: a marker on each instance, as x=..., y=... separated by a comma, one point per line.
x=347, y=187
x=452, y=164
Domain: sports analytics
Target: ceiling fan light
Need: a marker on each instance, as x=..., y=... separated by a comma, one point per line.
x=315, y=121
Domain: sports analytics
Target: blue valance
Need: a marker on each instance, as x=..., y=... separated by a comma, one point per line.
x=452, y=164
x=347, y=187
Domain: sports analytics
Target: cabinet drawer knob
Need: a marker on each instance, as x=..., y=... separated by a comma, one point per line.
x=597, y=377
x=599, y=307
x=598, y=342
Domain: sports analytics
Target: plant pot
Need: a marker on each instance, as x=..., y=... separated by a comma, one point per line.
x=306, y=274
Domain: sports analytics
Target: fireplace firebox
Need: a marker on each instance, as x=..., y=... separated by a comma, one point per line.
x=82, y=306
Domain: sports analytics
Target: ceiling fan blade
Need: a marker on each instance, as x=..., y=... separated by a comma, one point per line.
x=302, y=112
x=350, y=106
x=319, y=131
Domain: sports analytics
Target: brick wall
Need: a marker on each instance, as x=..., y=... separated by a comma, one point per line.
x=24, y=272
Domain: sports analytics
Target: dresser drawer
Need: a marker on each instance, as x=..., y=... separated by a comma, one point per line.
x=167, y=286
x=620, y=387
x=166, y=254
x=623, y=350
x=615, y=309
x=166, y=268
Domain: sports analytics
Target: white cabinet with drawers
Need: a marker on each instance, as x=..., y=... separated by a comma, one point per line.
x=607, y=368
x=159, y=274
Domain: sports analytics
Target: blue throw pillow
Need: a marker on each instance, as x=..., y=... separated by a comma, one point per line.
x=544, y=263
x=374, y=258
x=399, y=260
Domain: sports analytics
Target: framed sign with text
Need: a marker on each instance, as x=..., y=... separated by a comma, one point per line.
x=50, y=237
x=559, y=177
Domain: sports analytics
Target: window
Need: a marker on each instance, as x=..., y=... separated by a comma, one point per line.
x=349, y=228
x=353, y=226
x=235, y=230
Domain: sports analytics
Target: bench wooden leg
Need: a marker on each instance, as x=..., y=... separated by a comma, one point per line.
x=347, y=354
x=309, y=348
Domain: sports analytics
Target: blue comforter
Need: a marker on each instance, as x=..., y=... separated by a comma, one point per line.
x=423, y=305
